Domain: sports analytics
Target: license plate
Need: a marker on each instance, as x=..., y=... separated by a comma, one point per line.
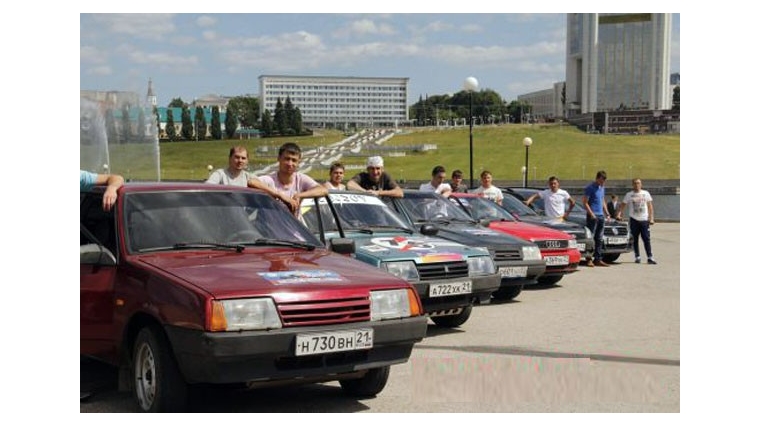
x=617, y=240
x=513, y=271
x=454, y=288
x=557, y=260
x=331, y=342
x=581, y=247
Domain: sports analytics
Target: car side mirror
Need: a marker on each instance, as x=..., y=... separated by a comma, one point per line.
x=93, y=253
x=429, y=230
x=342, y=246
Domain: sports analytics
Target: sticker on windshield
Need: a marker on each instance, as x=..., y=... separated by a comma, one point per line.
x=301, y=276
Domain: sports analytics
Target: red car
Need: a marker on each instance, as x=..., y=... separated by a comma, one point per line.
x=559, y=250
x=188, y=283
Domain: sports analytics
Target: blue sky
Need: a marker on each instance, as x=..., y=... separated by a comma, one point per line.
x=192, y=55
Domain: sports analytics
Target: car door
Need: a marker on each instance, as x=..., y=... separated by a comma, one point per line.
x=97, y=274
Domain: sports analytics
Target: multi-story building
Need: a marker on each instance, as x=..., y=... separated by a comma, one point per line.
x=617, y=62
x=544, y=104
x=339, y=102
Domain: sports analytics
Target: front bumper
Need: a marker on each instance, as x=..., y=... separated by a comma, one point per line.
x=236, y=357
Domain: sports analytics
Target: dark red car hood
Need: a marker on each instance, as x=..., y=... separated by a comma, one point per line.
x=281, y=273
x=528, y=231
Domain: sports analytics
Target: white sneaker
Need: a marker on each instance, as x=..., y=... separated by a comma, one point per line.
x=637, y=260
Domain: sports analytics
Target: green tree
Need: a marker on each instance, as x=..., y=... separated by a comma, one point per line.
x=564, y=98
x=289, y=116
x=187, y=124
x=111, y=133
x=158, y=120
x=200, y=124
x=230, y=124
x=677, y=98
x=245, y=109
x=267, y=124
x=177, y=103
x=279, y=118
x=171, y=131
x=141, y=126
x=126, y=125
x=216, y=123
x=297, y=122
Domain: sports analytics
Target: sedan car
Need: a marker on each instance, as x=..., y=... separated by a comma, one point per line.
x=187, y=283
x=517, y=208
x=558, y=249
x=518, y=261
x=616, y=237
x=448, y=276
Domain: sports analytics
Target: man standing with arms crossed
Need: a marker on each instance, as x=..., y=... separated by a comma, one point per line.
x=596, y=215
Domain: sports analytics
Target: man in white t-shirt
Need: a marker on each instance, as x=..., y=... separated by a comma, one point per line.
x=286, y=183
x=640, y=217
x=487, y=189
x=436, y=183
x=557, y=202
x=235, y=173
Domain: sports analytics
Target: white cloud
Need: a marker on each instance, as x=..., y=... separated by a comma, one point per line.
x=139, y=25
x=205, y=21
x=103, y=70
x=91, y=54
x=209, y=35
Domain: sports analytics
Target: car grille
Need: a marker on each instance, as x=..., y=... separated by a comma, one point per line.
x=552, y=244
x=443, y=270
x=616, y=230
x=507, y=255
x=324, y=312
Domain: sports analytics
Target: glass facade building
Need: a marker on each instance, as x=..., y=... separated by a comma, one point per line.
x=618, y=62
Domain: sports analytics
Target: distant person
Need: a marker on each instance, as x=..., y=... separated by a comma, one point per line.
x=487, y=189
x=640, y=217
x=286, y=183
x=557, y=202
x=375, y=180
x=436, y=183
x=335, y=181
x=87, y=180
x=612, y=205
x=457, y=184
x=236, y=172
x=596, y=215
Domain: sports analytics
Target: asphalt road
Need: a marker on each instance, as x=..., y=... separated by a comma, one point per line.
x=604, y=340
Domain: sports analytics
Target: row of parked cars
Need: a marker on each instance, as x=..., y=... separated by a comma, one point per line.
x=185, y=284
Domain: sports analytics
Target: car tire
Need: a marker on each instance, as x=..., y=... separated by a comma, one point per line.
x=372, y=383
x=158, y=384
x=549, y=280
x=608, y=258
x=507, y=294
x=453, y=320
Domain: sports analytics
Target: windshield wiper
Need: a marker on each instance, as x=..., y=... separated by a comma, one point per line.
x=286, y=243
x=206, y=245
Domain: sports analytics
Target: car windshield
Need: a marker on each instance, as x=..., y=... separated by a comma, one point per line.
x=516, y=207
x=428, y=206
x=483, y=208
x=175, y=220
x=355, y=211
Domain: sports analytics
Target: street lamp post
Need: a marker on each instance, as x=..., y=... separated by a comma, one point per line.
x=470, y=85
x=526, y=142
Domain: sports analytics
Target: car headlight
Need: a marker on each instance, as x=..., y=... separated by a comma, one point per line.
x=403, y=269
x=393, y=304
x=572, y=244
x=531, y=253
x=480, y=265
x=244, y=314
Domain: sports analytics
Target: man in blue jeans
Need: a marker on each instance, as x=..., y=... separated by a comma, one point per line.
x=596, y=215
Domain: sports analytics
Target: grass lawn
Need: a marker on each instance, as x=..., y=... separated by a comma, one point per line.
x=557, y=150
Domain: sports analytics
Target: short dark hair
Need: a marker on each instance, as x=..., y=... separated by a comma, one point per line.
x=552, y=178
x=289, y=147
x=438, y=169
x=456, y=174
x=601, y=174
x=237, y=148
x=336, y=165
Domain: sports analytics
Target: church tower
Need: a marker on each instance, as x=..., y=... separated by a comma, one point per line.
x=150, y=98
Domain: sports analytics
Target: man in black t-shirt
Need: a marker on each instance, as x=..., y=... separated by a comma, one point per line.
x=375, y=180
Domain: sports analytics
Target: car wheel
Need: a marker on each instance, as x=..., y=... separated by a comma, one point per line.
x=608, y=258
x=372, y=383
x=549, y=280
x=453, y=320
x=506, y=294
x=158, y=384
